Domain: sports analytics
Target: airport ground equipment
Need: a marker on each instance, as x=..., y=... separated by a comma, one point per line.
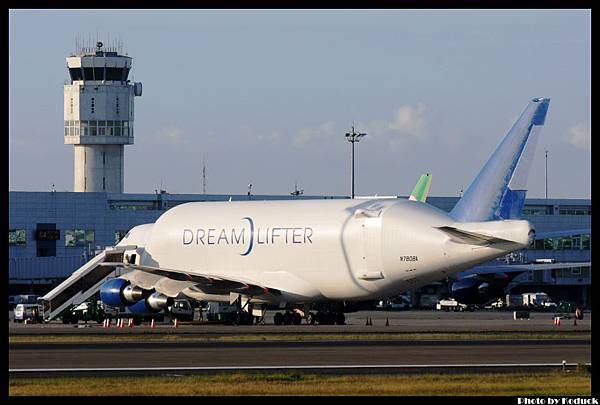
x=450, y=305
x=86, y=311
x=83, y=283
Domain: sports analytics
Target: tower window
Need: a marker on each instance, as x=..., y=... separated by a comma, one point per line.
x=103, y=183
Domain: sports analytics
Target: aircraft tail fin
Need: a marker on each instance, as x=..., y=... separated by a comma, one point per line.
x=498, y=192
x=421, y=190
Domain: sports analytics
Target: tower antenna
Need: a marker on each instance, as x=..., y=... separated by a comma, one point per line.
x=203, y=176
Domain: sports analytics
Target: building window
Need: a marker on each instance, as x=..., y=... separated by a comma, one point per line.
x=538, y=210
x=585, y=242
x=93, y=105
x=17, y=237
x=575, y=210
x=79, y=237
x=103, y=183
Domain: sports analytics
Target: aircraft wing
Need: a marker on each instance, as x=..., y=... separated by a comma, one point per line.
x=209, y=283
x=507, y=268
x=421, y=190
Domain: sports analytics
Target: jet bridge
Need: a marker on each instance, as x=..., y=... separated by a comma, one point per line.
x=83, y=283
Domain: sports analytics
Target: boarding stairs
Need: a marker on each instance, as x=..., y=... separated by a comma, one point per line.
x=83, y=283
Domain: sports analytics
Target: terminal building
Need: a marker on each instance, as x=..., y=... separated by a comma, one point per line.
x=52, y=234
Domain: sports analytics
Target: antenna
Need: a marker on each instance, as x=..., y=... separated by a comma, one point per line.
x=203, y=175
x=297, y=192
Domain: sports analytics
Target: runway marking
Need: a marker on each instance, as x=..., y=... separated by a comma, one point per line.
x=305, y=367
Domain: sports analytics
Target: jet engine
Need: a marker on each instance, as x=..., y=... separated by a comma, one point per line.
x=154, y=303
x=480, y=289
x=118, y=292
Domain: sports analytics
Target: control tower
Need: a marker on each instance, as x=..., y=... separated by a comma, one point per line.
x=99, y=116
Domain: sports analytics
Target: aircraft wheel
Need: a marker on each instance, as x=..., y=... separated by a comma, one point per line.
x=278, y=318
x=310, y=318
x=296, y=318
x=287, y=318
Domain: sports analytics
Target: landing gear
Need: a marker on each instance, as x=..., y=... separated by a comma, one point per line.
x=242, y=318
x=321, y=317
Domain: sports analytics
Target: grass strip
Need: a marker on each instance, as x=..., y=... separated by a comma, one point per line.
x=173, y=337
x=551, y=383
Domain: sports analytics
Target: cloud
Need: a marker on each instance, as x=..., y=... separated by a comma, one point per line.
x=171, y=135
x=580, y=136
x=322, y=132
x=407, y=121
x=274, y=136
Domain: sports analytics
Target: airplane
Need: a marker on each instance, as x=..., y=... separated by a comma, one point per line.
x=310, y=254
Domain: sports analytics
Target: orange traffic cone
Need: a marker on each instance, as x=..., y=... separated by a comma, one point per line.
x=175, y=323
x=152, y=323
x=130, y=323
x=121, y=322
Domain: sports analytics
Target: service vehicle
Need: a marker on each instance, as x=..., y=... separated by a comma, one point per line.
x=25, y=312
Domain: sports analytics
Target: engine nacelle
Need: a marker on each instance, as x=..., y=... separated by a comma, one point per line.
x=466, y=291
x=118, y=291
x=480, y=290
x=154, y=303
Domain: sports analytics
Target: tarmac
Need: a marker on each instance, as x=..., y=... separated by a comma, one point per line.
x=311, y=352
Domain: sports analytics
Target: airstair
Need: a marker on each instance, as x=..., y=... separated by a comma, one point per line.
x=83, y=283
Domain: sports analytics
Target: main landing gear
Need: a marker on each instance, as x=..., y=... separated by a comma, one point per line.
x=327, y=317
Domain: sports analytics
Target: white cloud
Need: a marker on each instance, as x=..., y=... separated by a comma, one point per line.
x=171, y=135
x=407, y=121
x=274, y=136
x=580, y=136
x=322, y=132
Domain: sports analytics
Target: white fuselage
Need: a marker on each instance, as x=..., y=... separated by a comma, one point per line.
x=316, y=249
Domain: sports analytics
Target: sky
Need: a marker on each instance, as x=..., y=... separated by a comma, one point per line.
x=266, y=96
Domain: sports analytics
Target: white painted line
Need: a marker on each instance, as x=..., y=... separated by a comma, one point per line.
x=341, y=366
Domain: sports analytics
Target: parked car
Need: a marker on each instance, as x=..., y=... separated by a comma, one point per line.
x=27, y=311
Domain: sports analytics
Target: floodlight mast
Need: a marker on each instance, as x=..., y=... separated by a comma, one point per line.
x=353, y=137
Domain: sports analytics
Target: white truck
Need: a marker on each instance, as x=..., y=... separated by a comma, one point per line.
x=450, y=305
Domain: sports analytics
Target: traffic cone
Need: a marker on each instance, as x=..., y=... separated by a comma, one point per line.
x=130, y=323
x=387, y=322
x=370, y=321
x=367, y=324
x=152, y=323
x=121, y=322
x=175, y=323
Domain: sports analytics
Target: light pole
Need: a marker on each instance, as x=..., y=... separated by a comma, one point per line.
x=353, y=137
x=546, y=175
